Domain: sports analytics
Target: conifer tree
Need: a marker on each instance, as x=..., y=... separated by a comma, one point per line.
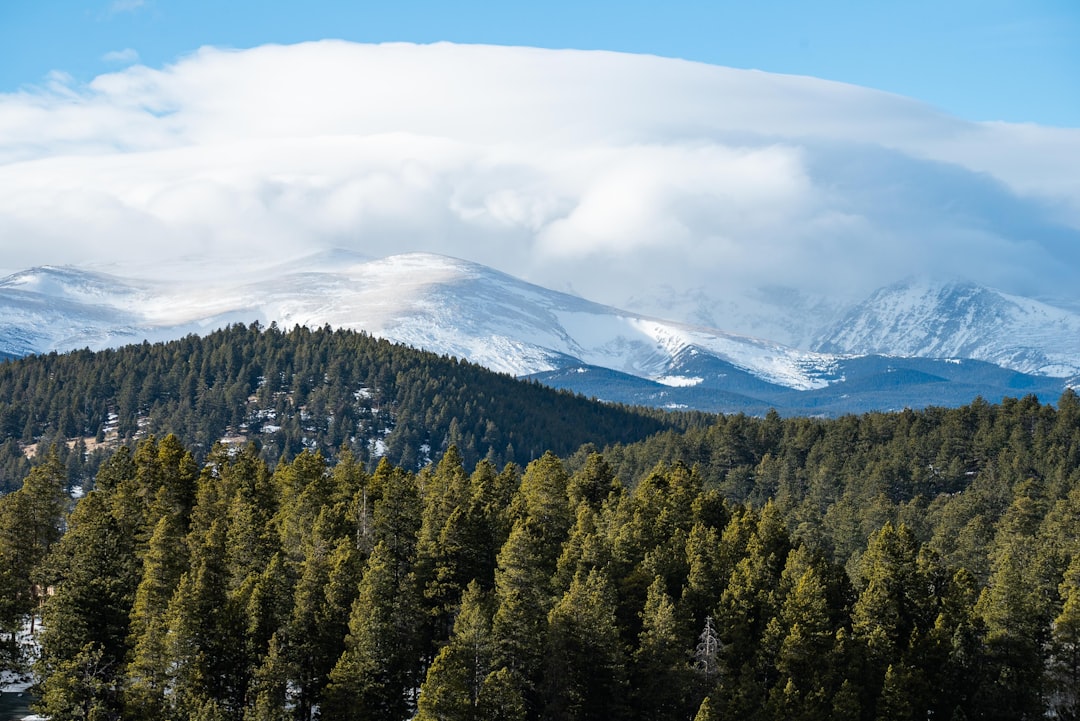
x=892, y=604
x=803, y=639
x=1013, y=666
x=502, y=698
x=269, y=688
x=163, y=566
x=1063, y=664
x=319, y=619
x=542, y=504
x=488, y=520
x=455, y=680
x=519, y=627
x=443, y=539
x=592, y=484
x=396, y=516
x=83, y=643
x=585, y=677
x=31, y=522
x=83, y=686
x=377, y=674
x=206, y=649
x=584, y=550
x=706, y=712
x=305, y=487
x=705, y=576
x=747, y=604
x=660, y=678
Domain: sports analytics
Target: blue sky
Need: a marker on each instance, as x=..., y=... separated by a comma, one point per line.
x=1013, y=60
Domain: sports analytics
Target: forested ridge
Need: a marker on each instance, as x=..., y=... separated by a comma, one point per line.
x=889, y=566
x=884, y=566
x=289, y=391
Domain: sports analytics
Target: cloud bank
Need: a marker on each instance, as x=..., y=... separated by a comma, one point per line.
x=606, y=174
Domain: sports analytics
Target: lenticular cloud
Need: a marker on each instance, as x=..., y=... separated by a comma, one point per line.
x=615, y=176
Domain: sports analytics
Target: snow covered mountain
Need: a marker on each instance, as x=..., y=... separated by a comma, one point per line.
x=955, y=319
x=432, y=302
x=467, y=310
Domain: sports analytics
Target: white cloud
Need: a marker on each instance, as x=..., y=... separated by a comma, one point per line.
x=606, y=173
x=123, y=57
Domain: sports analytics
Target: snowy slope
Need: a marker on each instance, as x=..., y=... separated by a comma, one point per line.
x=432, y=302
x=954, y=319
x=470, y=311
x=51, y=308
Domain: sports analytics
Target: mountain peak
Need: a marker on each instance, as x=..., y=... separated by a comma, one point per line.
x=955, y=318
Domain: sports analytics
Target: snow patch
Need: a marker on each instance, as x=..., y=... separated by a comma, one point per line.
x=678, y=381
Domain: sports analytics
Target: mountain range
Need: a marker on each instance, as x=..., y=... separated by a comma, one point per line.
x=915, y=343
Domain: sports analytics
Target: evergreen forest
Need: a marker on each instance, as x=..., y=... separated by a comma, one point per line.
x=289, y=391
x=909, y=565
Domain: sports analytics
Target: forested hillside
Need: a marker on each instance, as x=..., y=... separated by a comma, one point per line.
x=889, y=566
x=290, y=391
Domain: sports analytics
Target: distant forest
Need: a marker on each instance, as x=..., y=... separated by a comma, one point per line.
x=912, y=565
x=290, y=391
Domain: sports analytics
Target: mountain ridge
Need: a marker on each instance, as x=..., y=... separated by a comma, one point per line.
x=465, y=309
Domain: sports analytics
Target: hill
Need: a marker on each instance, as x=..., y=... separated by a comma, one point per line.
x=290, y=391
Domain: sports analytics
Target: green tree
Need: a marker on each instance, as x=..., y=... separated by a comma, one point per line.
x=83, y=642
x=206, y=648
x=163, y=566
x=319, y=620
x=660, y=685
x=1013, y=667
x=585, y=677
x=519, y=627
x=31, y=522
x=542, y=504
x=378, y=671
x=455, y=680
x=804, y=654
x=1063, y=667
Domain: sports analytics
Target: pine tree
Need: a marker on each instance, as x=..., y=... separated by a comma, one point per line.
x=705, y=576
x=31, y=522
x=269, y=688
x=443, y=540
x=519, y=627
x=163, y=566
x=306, y=488
x=585, y=549
x=396, y=515
x=542, y=504
x=805, y=639
x=502, y=698
x=892, y=604
x=1063, y=664
x=592, y=484
x=83, y=649
x=455, y=680
x=706, y=712
x=319, y=620
x=586, y=673
x=205, y=641
x=660, y=685
x=378, y=672
x=898, y=691
x=83, y=686
x=1013, y=666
